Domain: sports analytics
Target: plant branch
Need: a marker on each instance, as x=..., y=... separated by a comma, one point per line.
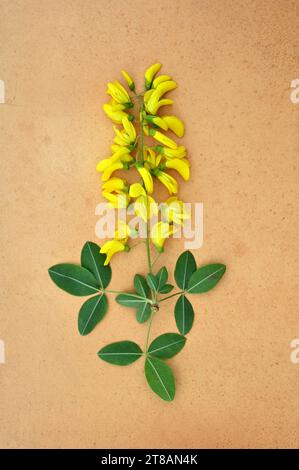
x=172, y=295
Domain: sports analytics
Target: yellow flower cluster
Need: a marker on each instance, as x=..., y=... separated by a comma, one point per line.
x=151, y=159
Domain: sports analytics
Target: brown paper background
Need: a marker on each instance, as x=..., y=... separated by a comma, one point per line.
x=234, y=62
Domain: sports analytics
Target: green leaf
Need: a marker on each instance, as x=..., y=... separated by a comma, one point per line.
x=184, y=315
x=161, y=278
x=74, y=279
x=167, y=345
x=91, y=313
x=166, y=288
x=160, y=378
x=152, y=281
x=184, y=268
x=93, y=260
x=130, y=300
x=205, y=278
x=121, y=353
x=143, y=312
x=140, y=285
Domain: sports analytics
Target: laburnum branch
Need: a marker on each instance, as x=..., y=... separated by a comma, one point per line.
x=134, y=147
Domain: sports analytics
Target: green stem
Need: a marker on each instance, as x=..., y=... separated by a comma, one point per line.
x=141, y=130
x=149, y=330
x=148, y=252
x=155, y=260
x=111, y=291
x=104, y=291
x=172, y=295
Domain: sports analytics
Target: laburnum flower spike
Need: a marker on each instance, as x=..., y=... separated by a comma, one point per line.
x=129, y=80
x=150, y=73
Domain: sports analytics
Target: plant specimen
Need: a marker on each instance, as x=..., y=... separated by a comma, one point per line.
x=141, y=147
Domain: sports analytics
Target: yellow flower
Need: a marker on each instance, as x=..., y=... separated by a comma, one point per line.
x=166, y=86
x=111, y=247
x=175, y=125
x=147, y=95
x=129, y=80
x=145, y=207
x=157, y=121
x=147, y=178
x=127, y=136
x=119, y=243
x=111, y=169
x=179, y=152
x=150, y=73
x=119, y=93
x=129, y=128
x=181, y=165
x=153, y=103
x=136, y=190
x=116, y=185
x=160, y=79
x=117, y=161
x=159, y=232
x=118, y=201
x=152, y=160
x=173, y=210
x=163, y=139
x=115, y=112
x=169, y=182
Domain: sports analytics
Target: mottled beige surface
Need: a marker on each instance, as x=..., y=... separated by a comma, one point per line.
x=234, y=61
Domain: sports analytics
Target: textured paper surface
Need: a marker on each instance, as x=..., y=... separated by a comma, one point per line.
x=234, y=62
